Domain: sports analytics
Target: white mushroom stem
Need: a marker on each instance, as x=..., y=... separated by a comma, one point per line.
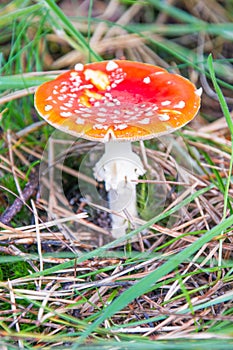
x=119, y=167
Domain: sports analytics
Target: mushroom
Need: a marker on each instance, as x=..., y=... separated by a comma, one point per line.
x=116, y=102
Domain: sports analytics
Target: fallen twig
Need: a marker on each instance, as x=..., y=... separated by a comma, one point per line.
x=27, y=193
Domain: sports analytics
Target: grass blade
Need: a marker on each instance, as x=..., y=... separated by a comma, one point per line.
x=71, y=29
x=147, y=282
x=227, y=115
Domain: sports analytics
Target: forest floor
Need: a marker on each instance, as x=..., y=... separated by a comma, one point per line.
x=64, y=280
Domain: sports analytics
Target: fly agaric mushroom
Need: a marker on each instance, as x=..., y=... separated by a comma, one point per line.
x=113, y=101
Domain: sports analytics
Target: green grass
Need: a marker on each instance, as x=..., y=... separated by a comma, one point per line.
x=70, y=285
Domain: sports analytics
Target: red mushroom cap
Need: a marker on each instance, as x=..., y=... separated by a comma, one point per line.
x=119, y=100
